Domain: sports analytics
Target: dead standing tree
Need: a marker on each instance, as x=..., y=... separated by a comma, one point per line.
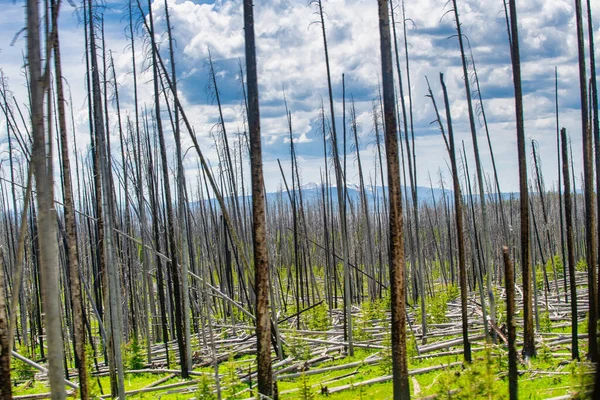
x=173, y=263
x=340, y=180
x=397, y=263
x=458, y=209
x=487, y=265
x=570, y=244
x=259, y=231
x=106, y=209
x=71, y=229
x=528, y=338
x=588, y=177
x=46, y=216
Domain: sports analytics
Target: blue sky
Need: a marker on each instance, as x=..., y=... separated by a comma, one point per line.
x=291, y=59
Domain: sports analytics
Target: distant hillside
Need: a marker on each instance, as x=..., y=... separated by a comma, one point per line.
x=312, y=192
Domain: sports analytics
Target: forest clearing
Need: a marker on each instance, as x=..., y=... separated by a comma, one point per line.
x=142, y=255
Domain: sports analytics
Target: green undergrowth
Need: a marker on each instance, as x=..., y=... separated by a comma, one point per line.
x=485, y=378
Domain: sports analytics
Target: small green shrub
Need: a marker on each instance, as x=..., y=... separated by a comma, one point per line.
x=204, y=391
x=306, y=392
x=133, y=355
x=23, y=371
x=475, y=381
x=500, y=308
x=544, y=353
x=581, y=265
x=362, y=324
x=318, y=318
x=386, y=354
x=93, y=383
x=545, y=323
x=437, y=306
x=298, y=348
x=231, y=381
x=560, y=270
x=581, y=380
x=582, y=327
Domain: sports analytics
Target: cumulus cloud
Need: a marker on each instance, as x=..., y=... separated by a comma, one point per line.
x=291, y=60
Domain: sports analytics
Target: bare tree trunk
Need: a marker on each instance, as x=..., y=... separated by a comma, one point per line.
x=509, y=278
x=528, y=338
x=487, y=265
x=570, y=245
x=110, y=279
x=595, y=126
x=559, y=189
x=588, y=176
x=341, y=198
x=173, y=263
x=259, y=231
x=182, y=205
x=46, y=218
x=397, y=263
x=5, y=383
x=458, y=210
x=69, y=211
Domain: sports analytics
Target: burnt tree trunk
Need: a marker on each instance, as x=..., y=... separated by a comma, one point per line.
x=259, y=231
x=397, y=262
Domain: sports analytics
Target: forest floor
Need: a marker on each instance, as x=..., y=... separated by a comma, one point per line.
x=316, y=365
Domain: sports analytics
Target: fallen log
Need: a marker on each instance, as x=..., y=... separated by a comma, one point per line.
x=386, y=378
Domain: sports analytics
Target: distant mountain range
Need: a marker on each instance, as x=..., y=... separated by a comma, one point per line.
x=312, y=193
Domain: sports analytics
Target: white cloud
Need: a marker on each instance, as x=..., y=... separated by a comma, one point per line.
x=290, y=56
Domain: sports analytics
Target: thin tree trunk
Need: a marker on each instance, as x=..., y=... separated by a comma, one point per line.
x=71, y=229
x=528, y=338
x=595, y=122
x=487, y=270
x=5, y=382
x=570, y=245
x=588, y=176
x=110, y=280
x=340, y=192
x=509, y=278
x=182, y=205
x=458, y=210
x=397, y=263
x=172, y=242
x=259, y=231
x=46, y=218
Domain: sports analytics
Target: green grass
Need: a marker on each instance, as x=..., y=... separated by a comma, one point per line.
x=531, y=385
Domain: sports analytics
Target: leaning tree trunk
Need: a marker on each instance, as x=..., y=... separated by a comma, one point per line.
x=174, y=257
x=259, y=231
x=397, y=263
x=458, y=210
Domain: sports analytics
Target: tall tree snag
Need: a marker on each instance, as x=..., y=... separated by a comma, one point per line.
x=528, y=339
x=588, y=194
x=46, y=216
x=259, y=231
x=397, y=263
